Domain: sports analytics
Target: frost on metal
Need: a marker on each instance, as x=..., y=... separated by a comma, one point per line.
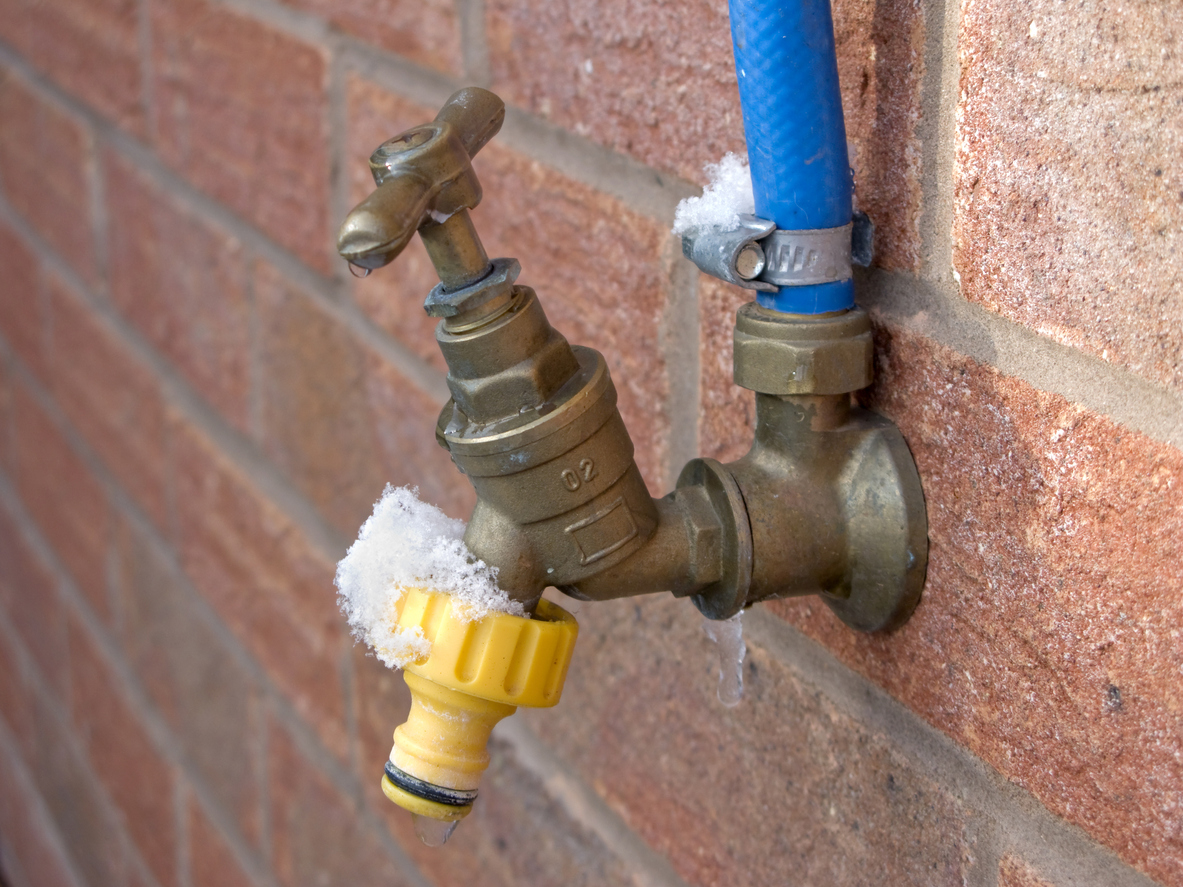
x=723, y=200
x=407, y=543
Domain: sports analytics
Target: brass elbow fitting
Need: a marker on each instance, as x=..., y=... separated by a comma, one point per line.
x=828, y=500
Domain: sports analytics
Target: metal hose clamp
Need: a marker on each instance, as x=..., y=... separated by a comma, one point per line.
x=801, y=258
x=759, y=256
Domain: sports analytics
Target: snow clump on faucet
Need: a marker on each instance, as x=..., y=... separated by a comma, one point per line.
x=407, y=543
x=723, y=200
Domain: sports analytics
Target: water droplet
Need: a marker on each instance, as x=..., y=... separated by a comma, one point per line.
x=359, y=271
x=433, y=832
x=728, y=635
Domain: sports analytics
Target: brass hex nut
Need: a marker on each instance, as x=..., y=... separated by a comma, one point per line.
x=442, y=302
x=517, y=388
x=777, y=353
x=510, y=365
x=705, y=532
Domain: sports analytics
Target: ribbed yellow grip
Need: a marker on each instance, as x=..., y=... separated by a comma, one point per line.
x=477, y=673
x=502, y=658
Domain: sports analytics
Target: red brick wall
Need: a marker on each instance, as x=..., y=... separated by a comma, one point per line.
x=198, y=406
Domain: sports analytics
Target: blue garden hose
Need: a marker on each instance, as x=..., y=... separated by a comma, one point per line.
x=792, y=117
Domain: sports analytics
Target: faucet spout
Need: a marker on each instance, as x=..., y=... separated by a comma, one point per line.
x=683, y=554
x=380, y=227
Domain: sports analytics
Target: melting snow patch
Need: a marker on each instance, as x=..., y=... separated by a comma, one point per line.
x=407, y=543
x=728, y=194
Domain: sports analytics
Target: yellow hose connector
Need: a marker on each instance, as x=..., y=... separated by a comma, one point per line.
x=477, y=673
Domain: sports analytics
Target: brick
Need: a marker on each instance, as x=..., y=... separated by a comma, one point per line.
x=138, y=875
x=1014, y=872
x=184, y=285
x=392, y=297
x=123, y=757
x=657, y=82
x=5, y=414
x=31, y=598
x=25, y=833
x=68, y=784
x=16, y=707
x=22, y=308
x=381, y=700
x=242, y=115
x=211, y=861
x=63, y=497
x=654, y=81
x=516, y=834
x=426, y=32
x=264, y=579
x=1047, y=641
x=880, y=49
x=110, y=397
x=192, y=675
x=404, y=425
x=339, y=420
x=317, y=837
x=782, y=782
x=45, y=166
x=90, y=48
x=532, y=835
x=727, y=413
x=1068, y=193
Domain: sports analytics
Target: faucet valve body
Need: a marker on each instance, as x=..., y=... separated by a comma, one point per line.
x=826, y=491
x=533, y=423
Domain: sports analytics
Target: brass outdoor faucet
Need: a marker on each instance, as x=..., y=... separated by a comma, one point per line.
x=828, y=500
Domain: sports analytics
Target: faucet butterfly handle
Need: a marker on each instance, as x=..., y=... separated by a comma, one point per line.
x=476, y=114
x=425, y=181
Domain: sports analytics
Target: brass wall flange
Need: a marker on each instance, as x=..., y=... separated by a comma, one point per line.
x=838, y=478
x=835, y=508
x=827, y=501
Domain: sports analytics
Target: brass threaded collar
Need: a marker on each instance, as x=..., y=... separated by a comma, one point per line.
x=787, y=354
